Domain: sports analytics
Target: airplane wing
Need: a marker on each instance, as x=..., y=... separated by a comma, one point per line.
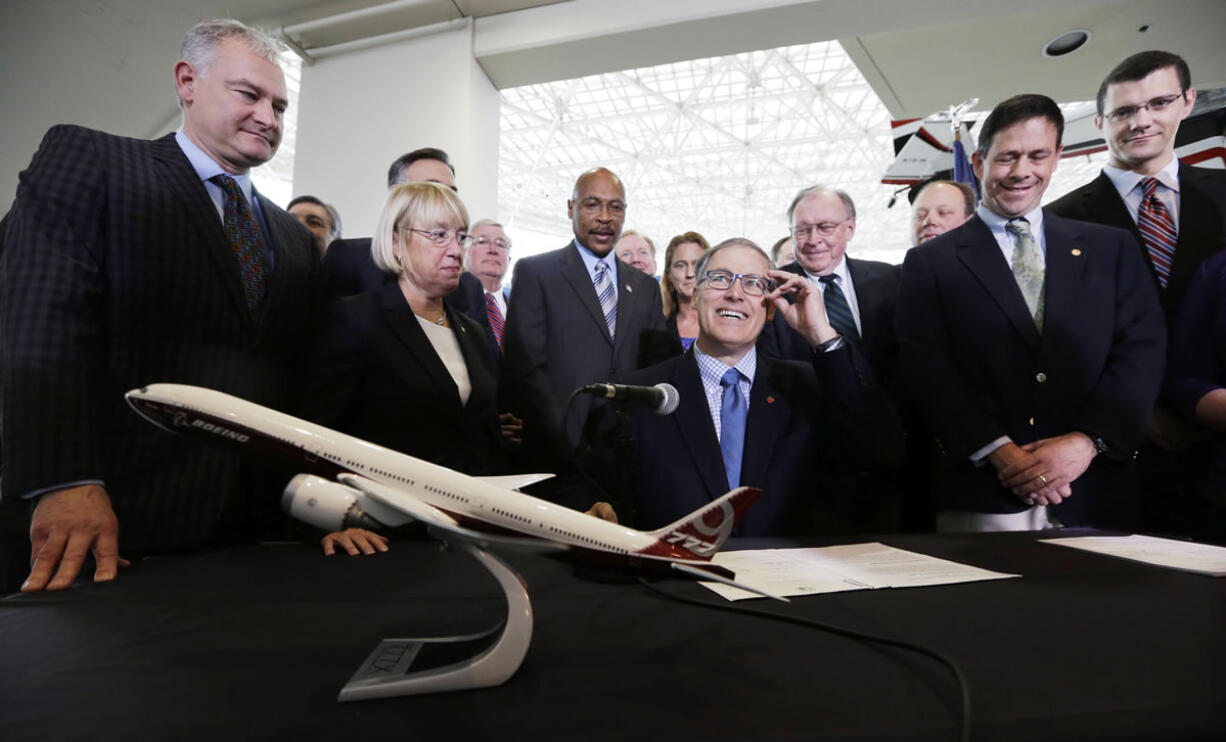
x=435, y=518
x=707, y=576
x=515, y=481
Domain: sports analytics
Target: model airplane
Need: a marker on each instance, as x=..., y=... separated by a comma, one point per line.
x=348, y=481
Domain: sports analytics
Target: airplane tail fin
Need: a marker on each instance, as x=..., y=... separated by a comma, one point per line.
x=700, y=534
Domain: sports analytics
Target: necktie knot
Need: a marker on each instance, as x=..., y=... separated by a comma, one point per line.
x=829, y=279
x=730, y=377
x=1018, y=228
x=1150, y=186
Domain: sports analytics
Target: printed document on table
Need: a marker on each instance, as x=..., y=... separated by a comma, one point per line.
x=1163, y=552
x=829, y=569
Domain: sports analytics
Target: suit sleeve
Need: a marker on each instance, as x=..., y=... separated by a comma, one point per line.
x=1119, y=406
x=333, y=379
x=52, y=350
x=527, y=352
x=926, y=356
x=1197, y=340
x=657, y=342
x=862, y=422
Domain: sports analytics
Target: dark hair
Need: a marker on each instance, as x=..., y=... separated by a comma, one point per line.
x=668, y=292
x=1141, y=65
x=403, y=161
x=775, y=248
x=1015, y=110
x=333, y=215
x=968, y=193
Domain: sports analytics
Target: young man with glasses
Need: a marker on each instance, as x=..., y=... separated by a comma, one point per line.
x=745, y=419
x=1177, y=214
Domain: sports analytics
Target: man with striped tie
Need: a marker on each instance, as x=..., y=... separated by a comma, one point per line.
x=1177, y=213
x=1032, y=345
x=487, y=260
x=859, y=296
x=579, y=316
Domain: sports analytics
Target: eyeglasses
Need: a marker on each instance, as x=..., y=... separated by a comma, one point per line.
x=441, y=237
x=1156, y=105
x=751, y=283
x=825, y=229
x=497, y=242
x=594, y=206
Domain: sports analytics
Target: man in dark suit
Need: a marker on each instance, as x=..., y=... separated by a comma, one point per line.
x=487, y=259
x=1140, y=106
x=823, y=221
x=578, y=316
x=747, y=419
x=860, y=296
x=1032, y=344
x=128, y=262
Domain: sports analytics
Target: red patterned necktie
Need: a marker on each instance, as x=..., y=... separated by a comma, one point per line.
x=1158, y=230
x=245, y=238
x=495, y=315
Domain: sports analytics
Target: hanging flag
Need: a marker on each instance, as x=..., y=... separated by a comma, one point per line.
x=962, y=164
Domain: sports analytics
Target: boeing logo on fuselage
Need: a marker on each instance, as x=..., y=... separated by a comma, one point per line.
x=218, y=430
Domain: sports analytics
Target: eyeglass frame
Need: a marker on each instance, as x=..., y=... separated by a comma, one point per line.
x=499, y=242
x=440, y=237
x=825, y=229
x=1153, y=105
x=770, y=283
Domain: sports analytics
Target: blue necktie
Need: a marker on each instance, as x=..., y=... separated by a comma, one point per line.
x=732, y=425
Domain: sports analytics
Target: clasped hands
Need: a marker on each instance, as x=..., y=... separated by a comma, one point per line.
x=1042, y=472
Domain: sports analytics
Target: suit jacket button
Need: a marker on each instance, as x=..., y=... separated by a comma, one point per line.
x=1040, y=377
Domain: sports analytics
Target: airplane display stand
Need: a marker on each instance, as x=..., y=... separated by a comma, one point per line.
x=403, y=667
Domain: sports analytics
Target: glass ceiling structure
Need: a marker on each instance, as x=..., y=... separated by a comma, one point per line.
x=717, y=145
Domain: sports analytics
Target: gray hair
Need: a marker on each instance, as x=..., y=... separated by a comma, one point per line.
x=199, y=47
x=701, y=270
x=848, y=204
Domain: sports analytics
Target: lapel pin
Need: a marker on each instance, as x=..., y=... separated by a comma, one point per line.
x=770, y=400
x=1076, y=251
x=628, y=289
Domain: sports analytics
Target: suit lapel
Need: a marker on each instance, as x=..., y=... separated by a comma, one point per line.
x=696, y=428
x=476, y=359
x=575, y=273
x=1066, y=258
x=870, y=300
x=767, y=419
x=404, y=324
x=980, y=253
x=182, y=180
x=278, y=240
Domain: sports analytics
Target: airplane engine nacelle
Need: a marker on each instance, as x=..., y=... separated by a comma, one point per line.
x=325, y=504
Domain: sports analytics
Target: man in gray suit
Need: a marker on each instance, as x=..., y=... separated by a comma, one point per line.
x=129, y=262
x=578, y=316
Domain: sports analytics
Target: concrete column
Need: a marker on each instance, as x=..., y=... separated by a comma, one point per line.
x=363, y=109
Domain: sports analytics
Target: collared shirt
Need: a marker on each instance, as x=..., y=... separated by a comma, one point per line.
x=206, y=167
x=843, y=279
x=996, y=223
x=1128, y=183
x=711, y=371
x=500, y=299
x=590, y=260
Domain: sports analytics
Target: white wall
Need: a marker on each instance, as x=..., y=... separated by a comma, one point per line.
x=362, y=110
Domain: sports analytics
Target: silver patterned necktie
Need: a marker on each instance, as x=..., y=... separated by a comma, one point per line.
x=607, y=297
x=1028, y=268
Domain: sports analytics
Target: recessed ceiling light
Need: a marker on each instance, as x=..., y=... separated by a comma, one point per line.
x=1066, y=43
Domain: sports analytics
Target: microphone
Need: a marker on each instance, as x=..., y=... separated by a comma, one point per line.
x=661, y=399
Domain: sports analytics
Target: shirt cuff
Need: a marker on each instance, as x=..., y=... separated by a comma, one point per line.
x=978, y=457
x=55, y=487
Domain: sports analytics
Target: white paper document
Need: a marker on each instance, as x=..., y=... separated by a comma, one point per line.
x=1163, y=552
x=830, y=569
